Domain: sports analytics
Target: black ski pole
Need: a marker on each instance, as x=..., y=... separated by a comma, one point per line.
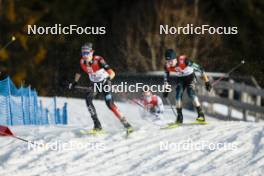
x=25, y=140
x=137, y=103
x=228, y=73
x=5, y=131
x=169, y=102
x=84, y=88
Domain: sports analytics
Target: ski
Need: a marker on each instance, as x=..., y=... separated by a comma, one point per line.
x=175, y=125
x=92, y=132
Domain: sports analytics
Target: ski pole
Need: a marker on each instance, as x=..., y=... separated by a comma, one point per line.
x=169, y=102
x=5, y=131
x=8, y=43
x=83, y=88
x=25, y=140
x=229, y=72
x=137, y=103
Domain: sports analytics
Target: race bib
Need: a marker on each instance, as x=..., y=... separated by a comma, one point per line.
x=98, y=76
x=184, y=72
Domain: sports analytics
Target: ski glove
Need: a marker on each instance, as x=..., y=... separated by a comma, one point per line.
x=167, y=89
x=208, y=86
x=106, y=81
x=72, y=85
x=165, y=94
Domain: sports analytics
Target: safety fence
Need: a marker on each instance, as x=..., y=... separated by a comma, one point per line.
x=20, y=106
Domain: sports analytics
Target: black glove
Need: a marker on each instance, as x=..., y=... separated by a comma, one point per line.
x=165, y=94
x=106, y=81
x=208, y=86
x=72, y=85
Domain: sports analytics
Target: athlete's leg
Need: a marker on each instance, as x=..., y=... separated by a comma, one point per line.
x=111, y=105
x=192, y=94
x=179, y=94
x=92, y=110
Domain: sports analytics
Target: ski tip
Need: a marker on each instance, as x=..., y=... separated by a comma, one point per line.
x=170, y=126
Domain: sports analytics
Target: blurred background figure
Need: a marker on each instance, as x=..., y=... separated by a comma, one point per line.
x=153, y=105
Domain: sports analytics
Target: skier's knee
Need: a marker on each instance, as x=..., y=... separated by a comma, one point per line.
x=109, y=101
x=178, y=104
x=196, y=102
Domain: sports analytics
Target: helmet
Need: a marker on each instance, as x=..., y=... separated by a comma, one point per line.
x=170, y=54
x=147, y=95
x=87, y=48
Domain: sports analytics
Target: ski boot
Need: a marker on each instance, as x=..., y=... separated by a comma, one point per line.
x=97, y=126
x=179, y=119
x=200, y=117
x=127, y=125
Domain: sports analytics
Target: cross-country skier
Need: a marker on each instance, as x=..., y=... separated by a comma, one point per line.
x=152, y=103
x=99, y=72
x=184, y=70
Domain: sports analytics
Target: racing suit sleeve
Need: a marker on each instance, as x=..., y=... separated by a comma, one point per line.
x=198, y=68
x=166, y=74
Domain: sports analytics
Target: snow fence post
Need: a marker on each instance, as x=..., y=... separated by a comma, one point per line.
x=10, y=119
x=58, y=118
x=41, y=110
x=22, y=104
x=35, y=107
x=55, y=109
x=46, y=116
x=29, y=114
x=65, y=115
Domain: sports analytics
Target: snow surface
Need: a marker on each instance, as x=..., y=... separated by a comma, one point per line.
x=141, y=153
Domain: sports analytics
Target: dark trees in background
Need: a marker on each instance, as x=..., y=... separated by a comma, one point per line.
x=132, y=42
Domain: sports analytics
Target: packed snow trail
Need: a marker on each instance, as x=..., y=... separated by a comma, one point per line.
x=141, y=153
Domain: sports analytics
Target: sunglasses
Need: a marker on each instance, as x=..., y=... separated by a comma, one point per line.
x=85, y=53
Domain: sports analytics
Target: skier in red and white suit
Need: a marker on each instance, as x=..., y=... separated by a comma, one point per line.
x=99, y=72
x=152, y=103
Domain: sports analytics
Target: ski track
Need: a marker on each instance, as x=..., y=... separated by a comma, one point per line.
x=140, y=153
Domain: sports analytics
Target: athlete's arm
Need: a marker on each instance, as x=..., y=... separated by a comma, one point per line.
x=165, y=78
x=198, y=68
x=166, y=74
x=74, y=83
x=107, y=68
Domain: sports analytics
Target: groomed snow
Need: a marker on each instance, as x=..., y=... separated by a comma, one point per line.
x=141, y=153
